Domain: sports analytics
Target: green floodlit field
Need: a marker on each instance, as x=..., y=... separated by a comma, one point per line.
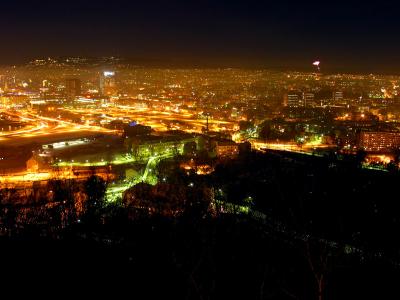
x=119, y=160
x=115, y=190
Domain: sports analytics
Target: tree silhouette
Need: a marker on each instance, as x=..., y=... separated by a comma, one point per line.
x=95, y=189
x=318, y=255
x=360, y=158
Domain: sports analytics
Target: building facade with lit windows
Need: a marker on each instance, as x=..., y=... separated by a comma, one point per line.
x=73, y=88
x=309, y=99
x=379, y=141
x=225, y=148
x=293, y=100
x=107, y=85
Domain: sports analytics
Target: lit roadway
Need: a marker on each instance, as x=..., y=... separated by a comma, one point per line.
x=41, y=129
x=289, y=146
x=157, y=119
x=25, y=179
x=38, y=126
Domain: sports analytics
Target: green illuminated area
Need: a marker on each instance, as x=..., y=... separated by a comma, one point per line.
x=369, y=166
x=223, y=205
x=115, y=191
x=150, y=153
x=118, y=160
x=315, y=140
x=231, y=208
x=139, y=154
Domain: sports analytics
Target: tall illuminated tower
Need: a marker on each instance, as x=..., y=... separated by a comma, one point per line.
x=107, y=85
x=72, y=88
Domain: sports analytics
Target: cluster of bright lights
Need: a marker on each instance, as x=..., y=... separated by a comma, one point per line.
x=108, y=73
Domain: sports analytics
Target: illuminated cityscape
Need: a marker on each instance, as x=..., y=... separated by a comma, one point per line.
x=201, y=175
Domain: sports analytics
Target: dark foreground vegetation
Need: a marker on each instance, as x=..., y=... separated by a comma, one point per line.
x=264, y=226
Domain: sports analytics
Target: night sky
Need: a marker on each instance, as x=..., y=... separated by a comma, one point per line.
x=351, y=36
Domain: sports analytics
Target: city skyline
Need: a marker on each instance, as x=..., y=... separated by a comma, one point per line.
x=206, y=149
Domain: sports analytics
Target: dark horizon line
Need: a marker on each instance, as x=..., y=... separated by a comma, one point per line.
x=200, y=64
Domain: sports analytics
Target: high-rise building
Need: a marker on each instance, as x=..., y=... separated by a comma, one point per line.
x=293, y=99
x=3, y=83
x=337, y=96
x=73, y=88
x=108, y=85
x=379, y=141
x=309, y=99
x=45, y=88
